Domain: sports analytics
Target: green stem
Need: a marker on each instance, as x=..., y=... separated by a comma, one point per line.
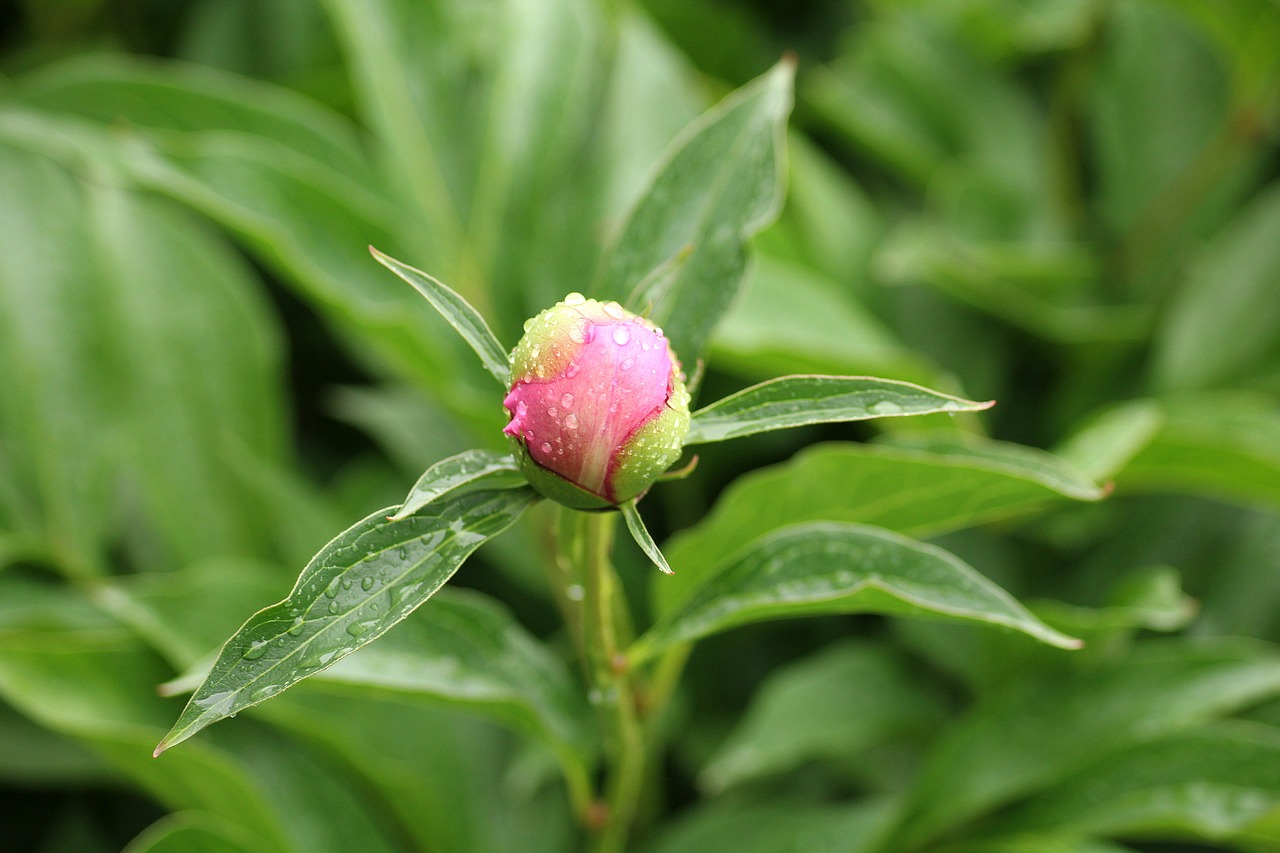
x=612, y=691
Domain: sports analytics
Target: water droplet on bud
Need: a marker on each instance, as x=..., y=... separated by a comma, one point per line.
x=621, y=335
x=575, y=298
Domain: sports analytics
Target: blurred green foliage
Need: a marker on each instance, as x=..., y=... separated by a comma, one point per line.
x=1070, y=206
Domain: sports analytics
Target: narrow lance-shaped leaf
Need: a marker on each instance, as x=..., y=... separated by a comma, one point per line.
x=827, y=568
x=640, y=533
x=359, y=585
x=791, y=401
x=471, y=469
x=921, y=486
x=720, y=184
x=467, y=320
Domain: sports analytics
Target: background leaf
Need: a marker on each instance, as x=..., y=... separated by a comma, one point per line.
x=1050, y=722
x=846, y=699
x=720, y=184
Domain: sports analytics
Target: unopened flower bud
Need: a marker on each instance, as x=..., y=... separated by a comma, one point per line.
x=598, y=404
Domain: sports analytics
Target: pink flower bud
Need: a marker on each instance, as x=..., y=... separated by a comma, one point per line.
x=598, y=405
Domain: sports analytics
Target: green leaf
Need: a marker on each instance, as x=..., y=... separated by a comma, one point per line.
x=921, y=490
x=791, y=401
x=767, y=827
x=825, y=332
x=1150, y=598
x=158, y=606
x=363, y=582
x=186, y=98
x=720, y=184
x=1045, y=289
x=98, y=686
x=640, y=533
x=1224, y=323
x=1032, y=843
x=194, y=832
x=1053, y=721
x=480, y=172
x=152, y=299
x=450, y=781
x=471, y=469
x=466, y=651
x=825, y=568
x=1222, y=444
x=830, y=705
x=1220, y=784
x=473, y=328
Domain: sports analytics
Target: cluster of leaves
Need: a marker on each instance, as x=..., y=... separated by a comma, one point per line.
x=1067, y=206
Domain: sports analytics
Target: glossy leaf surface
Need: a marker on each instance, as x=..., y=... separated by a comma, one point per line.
x=792, y=401
x=824, y=568
x=473, y=328
x=928, y=485
x=471, y=469
x=363, y=582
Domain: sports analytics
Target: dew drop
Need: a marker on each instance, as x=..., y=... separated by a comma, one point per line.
x=566, y=400
x=296, y=628
x=575, y=592
x=627, y=363
x=621, y=335
x=572, y=370
x=615, y=310
x=580, y=333
x=553, y=411
x=884, y=407
x=571, y=422
x=346, y=583
x=256, y=649
x=367, y=584
x=546, y=447
x=528, y=324
x=331, y=591
x=575, y=298
x=333, y=607
x=403, y=554
x=528, y=435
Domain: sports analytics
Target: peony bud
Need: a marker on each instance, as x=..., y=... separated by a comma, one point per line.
x=598, y=405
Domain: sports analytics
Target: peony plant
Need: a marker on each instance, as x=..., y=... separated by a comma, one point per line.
x=598, y=408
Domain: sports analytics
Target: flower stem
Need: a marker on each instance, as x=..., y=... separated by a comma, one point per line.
x=612, y=691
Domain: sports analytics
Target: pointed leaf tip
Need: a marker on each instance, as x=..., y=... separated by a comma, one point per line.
x=640, y=533
x=459, y=313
